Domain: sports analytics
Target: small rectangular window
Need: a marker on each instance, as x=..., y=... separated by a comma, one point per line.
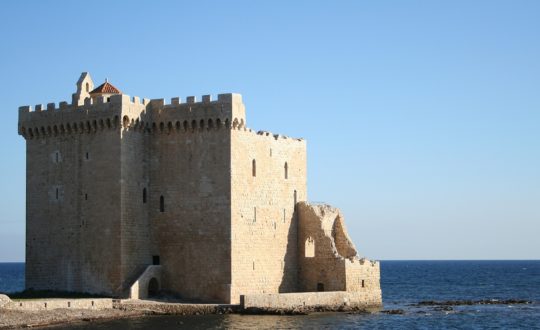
x=85, y=197
x=161, y=204
x=363, y=284
x=155, y=260
x=320, y=287
x=87, y=156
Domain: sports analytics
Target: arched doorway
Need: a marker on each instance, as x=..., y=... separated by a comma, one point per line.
x=153, y=287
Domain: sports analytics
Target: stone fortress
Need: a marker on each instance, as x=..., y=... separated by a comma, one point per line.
x=127, y=197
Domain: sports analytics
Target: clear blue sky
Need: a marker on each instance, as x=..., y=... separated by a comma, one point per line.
x=422, y=117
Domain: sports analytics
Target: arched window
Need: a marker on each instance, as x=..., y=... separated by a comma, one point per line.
x=161, y=204
x=144, y=195
x=286, y=167
x=309, y=248
x=254, y=168
x=87, y=87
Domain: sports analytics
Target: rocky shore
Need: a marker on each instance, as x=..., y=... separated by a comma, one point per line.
x=29, y=319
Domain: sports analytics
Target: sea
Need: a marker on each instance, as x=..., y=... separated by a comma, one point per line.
x=404, y=285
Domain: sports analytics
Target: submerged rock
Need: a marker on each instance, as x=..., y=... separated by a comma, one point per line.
x=394, y=311
x=473, y=302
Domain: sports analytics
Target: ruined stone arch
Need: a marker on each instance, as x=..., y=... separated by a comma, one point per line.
x=201, y=124
x=193, y=124
x=218, y=123
x=186, y=126
x=154, y=127
x=177, y=126
x=241, y=125
x=210, y=124
x=235, y=123
x=169, y=127
x=161, y=127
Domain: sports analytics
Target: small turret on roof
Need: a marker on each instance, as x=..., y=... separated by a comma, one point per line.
x=105, y=88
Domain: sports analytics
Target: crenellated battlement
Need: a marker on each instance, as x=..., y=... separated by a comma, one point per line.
x=132, y=113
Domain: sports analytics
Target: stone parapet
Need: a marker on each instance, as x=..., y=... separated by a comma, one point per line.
x=56, y=303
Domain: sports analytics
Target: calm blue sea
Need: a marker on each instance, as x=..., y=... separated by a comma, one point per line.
x=404, y=283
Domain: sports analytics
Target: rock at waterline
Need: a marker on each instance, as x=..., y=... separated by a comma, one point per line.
x=4, y=300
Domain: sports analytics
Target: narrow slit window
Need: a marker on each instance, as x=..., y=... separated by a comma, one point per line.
x=161, y=204
x=87, y=156
x=255, y=214
x=254, y=168
x=56, y=155
x=57, y=193
x=363, y=284
x=144, y=195
x=286, y=168
x=85, y=197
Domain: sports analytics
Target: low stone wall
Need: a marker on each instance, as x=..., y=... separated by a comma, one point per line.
x=164, y=308
x=48, y=304
x=324, y=300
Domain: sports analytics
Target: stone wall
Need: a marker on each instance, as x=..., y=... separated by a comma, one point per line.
x=325, y=300
x=264, y=223
x=73, y=191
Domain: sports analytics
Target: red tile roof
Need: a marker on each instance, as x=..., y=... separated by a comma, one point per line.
x=106, y=88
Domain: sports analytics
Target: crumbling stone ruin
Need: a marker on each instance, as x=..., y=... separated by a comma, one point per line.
x=128, y=197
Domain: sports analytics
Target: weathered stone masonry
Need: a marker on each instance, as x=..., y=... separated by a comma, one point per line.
x=116, y=184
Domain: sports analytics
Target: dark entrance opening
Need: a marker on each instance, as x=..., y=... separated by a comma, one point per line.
x=155, y=260
x=320, y=287
x=153, y=287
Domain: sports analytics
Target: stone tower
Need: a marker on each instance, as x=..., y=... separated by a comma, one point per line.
x=118, y=185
